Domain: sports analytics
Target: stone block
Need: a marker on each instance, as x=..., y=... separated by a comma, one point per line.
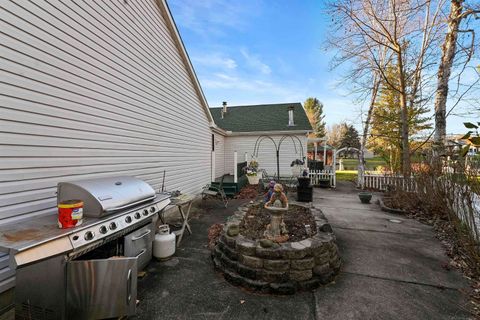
x=233, y=278
x=323, y=258
x=327, y=278
x=333, y=257
x=269, y=253
x=336, y=264
x=302, y=264
x=252, y=262
x=294, y=254
x=230, y=253
x=324, y=226
x=247, y=272
x=333, y=249
x=217, y=264
x=300, y=275
x=217, y=253
x=295, y=250
x=256, y=285
x=220, y=245
x=276, y=265
x=310, y=284
x=229, y=241
x=273, y=276
x=322, y=269
x=283, y=288
x=233, y=230
x=245, y=247
x=228, y=263
x=318, y=247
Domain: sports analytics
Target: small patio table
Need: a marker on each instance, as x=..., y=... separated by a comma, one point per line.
x=181, y=202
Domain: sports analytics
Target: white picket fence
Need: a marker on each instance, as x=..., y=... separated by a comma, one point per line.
x=317, y=175
x=383, y=182
x=465, y=208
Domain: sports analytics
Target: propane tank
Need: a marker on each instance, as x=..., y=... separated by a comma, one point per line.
x=164, y=243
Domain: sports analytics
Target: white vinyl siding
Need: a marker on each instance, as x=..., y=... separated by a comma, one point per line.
x=219, y=141
x=266, y=154
x=94, y=89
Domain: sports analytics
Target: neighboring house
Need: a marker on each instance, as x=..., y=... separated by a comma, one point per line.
x=96, y=89
x=455, y=143
x=241, y=127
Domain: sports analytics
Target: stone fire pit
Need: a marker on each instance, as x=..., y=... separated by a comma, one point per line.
x=268, y=267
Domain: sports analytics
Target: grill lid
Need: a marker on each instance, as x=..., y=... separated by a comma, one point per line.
x=106, y=195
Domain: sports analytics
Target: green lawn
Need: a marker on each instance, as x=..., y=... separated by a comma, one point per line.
x=372, y=164
x=347, y=175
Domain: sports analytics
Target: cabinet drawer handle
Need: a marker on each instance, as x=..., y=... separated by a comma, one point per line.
x=143, y=235
x=129, y=286
x=141, y=252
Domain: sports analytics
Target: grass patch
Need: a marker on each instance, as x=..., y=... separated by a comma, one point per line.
x=371, y=164
x=347, y=175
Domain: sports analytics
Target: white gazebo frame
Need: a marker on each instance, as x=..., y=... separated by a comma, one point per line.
x=316, y=175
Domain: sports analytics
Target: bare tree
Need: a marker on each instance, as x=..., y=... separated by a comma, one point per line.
x=366, y=126
x=381, y=33
x=459, y=11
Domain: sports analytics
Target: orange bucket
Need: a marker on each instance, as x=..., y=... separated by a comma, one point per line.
x=70, y=213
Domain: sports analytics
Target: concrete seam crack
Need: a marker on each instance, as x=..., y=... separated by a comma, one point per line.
x=442, y=287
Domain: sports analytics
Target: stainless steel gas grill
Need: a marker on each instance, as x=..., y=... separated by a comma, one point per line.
x=87, y=272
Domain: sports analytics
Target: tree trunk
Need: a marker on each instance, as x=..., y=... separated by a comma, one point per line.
x=404, y=116
x=444, y=70
x=361, y=156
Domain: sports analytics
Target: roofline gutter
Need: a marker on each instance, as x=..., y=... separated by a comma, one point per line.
x=217, y=129
x=167, y=14
x=259, y=133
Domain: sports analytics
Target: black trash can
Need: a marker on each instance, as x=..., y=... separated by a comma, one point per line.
x=305, y=194
x=303, y=182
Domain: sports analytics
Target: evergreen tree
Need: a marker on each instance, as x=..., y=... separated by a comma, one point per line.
x=350, y=138
x=385, y=137
x=314, y=110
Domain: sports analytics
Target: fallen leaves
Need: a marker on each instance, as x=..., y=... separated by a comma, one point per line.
x=213, y=234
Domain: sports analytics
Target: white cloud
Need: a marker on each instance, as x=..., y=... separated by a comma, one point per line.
x=215, y=60
x=254, y=62
x=212, y=17
x=252, y=90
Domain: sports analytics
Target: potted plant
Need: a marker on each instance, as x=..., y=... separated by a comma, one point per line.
x=304, y=179
x=297, y=166
x=365, y=196
x=252, y=172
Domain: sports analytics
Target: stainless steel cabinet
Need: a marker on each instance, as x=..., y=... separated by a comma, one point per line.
x=139, y=244
x=103, y=288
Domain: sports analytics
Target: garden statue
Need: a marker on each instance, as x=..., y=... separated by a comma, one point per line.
x=277, y=206
x=278, y=199
x=270, y=191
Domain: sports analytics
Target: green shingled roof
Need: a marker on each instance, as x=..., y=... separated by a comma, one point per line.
x=264, y=117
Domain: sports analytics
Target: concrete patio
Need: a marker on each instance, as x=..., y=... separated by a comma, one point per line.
x=391, y=270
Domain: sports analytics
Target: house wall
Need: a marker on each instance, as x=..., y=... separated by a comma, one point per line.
x=219, y=155
x=90, y=90
x=266, y=155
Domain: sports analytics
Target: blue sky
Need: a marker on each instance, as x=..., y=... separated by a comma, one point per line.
x=259, y=51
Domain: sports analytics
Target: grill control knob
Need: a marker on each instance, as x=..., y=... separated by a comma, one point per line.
x=145, y=212
x=153, y=209
x=103, y=230
x=128, y=219
x=89, y=235
x=113, y=226
x=137, y=215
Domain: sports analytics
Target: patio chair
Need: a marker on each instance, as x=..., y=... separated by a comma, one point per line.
x=214, y=192
x=265, y=178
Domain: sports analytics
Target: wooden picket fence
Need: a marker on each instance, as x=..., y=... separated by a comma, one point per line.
x=383, y=182
x=321, y=175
